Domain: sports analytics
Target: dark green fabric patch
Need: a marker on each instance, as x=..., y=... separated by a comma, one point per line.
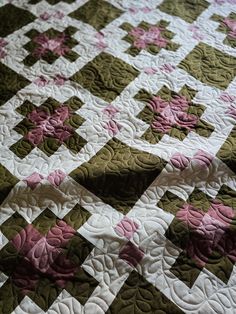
x=10, y=83
x=119, y=174
x=105, y=76
x=97, y=13
x=13, y=18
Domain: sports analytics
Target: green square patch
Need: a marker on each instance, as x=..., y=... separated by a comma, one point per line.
x=10, y=83
x=210, y=66
x=186, y=10
x=119, y=174
x=105, y=76
x=97, y=13
x=13, y=18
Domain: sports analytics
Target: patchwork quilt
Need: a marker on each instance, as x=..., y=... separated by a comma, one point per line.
x=117, y=156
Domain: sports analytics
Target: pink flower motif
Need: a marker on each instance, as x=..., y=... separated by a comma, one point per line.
x=221, y=212
x=46, y=44
x=99, y=35
x=143, y=38
x=196, y=32
x=180, y=161
x=2, y=54
x=205, y=239
x=126, y=227
x=231, y=24
x=232, y=111
x=38, y=116
x=203, y=158
x=146, y=10
x=193, y=28
x=45, y=16
x=112, y=127
x=100, y=44
x=131, y=254
x=172, y=113
x=49, y=125
x=190, y=216
x=41, y=251
x=198, y=36
x=133, y=10
x=33, y=180
x=58, y=15
x=150, y=71
x=167, y=67
x=41, y=81
x=35, y=136
x=227, y=98
x=110, y=111
x=56, y=177
x=3, y=43
x=59, y=80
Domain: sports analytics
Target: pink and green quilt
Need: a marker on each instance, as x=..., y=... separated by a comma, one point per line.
x=117, y=156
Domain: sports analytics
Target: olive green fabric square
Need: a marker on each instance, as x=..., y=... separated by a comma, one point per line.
x=97, y=13
x=210, y=66
x=13, y=18
x=119, y=174
x=188, y=10
x=105, y=76
x=10, y=83
x=220, y=266
x=185, y=269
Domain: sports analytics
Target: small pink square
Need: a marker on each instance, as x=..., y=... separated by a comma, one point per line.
x=203, y=158
x=33, y=180
x=60, y=234
x=180, y=161
x=131, y=254
x=42, y=255
x=126, y=227
x=56, y=177
x=224, y=214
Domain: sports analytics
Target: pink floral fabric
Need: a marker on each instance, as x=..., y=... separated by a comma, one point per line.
x=231, y=24
x=49, y=125
x=55, y=45
x=172, y=113
x=143, y=38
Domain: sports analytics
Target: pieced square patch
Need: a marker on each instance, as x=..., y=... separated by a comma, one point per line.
x=119, y=174
x=97, y=13
x=173, y=114
x=50, y=45
x=210, y=66
x=186, y=10
x=151, y=38
x=48, y=127
x=227, y=25
x=13, y=18
x=105, y=76
x=10, y=83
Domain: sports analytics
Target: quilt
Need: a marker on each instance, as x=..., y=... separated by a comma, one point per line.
x=117, y=156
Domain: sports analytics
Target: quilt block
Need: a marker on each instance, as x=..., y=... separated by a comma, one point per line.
x=117, y=156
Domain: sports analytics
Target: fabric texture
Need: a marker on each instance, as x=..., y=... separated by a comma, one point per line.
x=117, y=156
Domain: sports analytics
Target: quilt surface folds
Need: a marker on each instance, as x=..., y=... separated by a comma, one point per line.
x=117, y=156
